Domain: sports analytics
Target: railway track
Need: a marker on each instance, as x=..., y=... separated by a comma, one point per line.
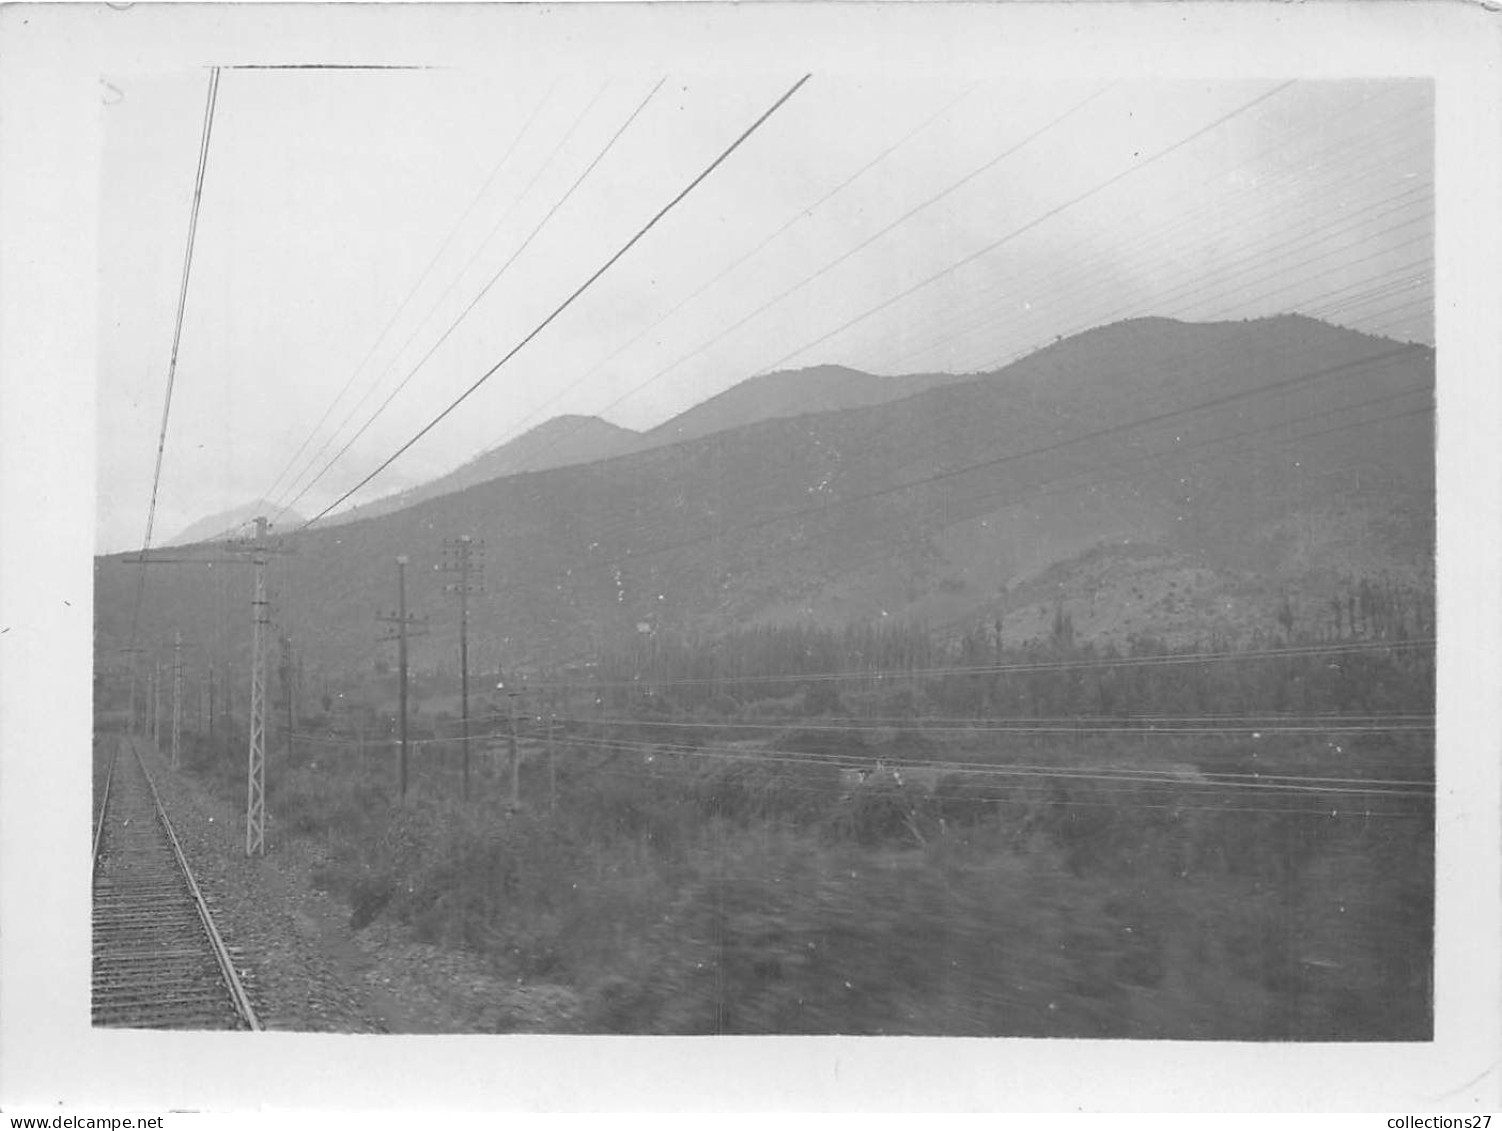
x=159, y=960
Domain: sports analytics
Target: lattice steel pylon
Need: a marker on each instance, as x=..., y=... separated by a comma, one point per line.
x=258, y=548
x=255, y=789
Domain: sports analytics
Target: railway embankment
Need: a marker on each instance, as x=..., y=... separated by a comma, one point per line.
x=308, y=971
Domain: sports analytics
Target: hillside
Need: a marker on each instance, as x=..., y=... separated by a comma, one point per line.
x=1239, y=462
x=558, y=442
x=572, y=439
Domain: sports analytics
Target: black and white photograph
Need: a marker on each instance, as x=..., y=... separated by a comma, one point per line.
x=707, y=521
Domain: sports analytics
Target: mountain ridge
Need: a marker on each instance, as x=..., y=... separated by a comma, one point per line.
x=574, y=438
x=1249, y=458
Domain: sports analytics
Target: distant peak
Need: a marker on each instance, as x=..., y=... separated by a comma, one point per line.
x=827, y=369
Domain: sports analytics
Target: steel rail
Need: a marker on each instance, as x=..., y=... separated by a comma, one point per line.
x=104, y=804
x=221, y=953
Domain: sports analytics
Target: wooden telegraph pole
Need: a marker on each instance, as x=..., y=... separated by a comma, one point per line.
x=156, y=705
x=552, y=765
x=465, y=557
x=405, y=626
x=229, y=707
x=177, y=699
x=516, y=762
x=512, y=690
x=286, y=668
x=135, y=665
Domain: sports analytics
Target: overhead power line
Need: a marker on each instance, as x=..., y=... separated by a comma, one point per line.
x=987, y=249
x=896, y=674
x=584, y=286
x=270, y=492
x=437, y=304
x=1156, y=728
x=985, y=166
x=463, y=314
x=182, y=296
x=1026, y=778
x=1254, y=204
x=1186, y=213
x=801, y=214
x=1210, y=780
x=1044, y=792
x=1031, y=224
x=823, y=509
x=205, y=135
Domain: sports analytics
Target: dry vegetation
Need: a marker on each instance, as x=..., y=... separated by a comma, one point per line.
x=679, y=876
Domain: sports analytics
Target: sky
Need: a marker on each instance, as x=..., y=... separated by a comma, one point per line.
x=364, y=230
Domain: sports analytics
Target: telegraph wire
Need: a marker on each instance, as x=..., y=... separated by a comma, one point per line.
x=1185, y=362
x=1418, y=305
x=772, y=367
x=994, y=244
x=709, y=343
x=1338, y=301
x=437, y=304
x=1422, y=238
x=823, y=509
x=206, y=134
x=1214, y=281
x=904, y=485
x=1160, y=235
x=1084, y=724
x=1150, y=774
x=799, y=215
x=270, y=492
x=1032, y=492
x=182, y=297
x=1134, y=781
x=1361, y=142
x=1092, y=474
x=569, y=300
x=1156, y=726
x=1079, y=479
x=522, y=247
x=1043, y=795
x=1165, y=659
x=1206, y=781
x=1034, y=795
